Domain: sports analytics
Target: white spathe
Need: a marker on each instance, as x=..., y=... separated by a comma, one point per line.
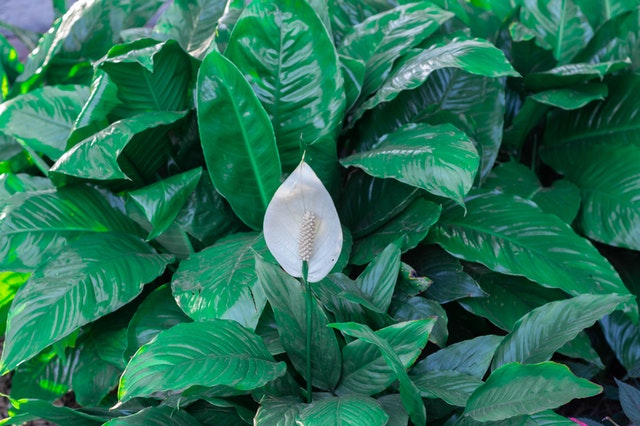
x=301, y=221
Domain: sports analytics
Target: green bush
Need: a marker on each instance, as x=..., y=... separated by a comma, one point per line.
x=483, y=158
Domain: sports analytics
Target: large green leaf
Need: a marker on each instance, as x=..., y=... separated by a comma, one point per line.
x=23, y=410
x=377, y=282
x=364, y=370
x=45, y=377
x=410, y=226
x=36, y=222
x=596, y=147
x=93, y=378
x=287, y=299
x=516, y=389
x=419, y=307
x=131, y=148
x=149, y=78
x=511, y=235
x=382, y=38
x=452, y=386
x=350, y=409
x=43, y=119
x=544, y=330
x=156, y=416
x=473, y=103
x=237, y=139
x=573, y=74
x=440, y=159
x=192, y=23
x=220, y=282
x=73, y=289
x=559, y=25
x=600, y=11
x=207, y=353
x=622, y=335
x=161, y=202
x=285, y=52
x=408, y=392
x=471, y=55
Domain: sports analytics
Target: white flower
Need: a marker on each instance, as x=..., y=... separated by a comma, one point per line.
x=301, y=223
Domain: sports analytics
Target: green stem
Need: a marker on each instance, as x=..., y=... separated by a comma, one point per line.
x=309, y=301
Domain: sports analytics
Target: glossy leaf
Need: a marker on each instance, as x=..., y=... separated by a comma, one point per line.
x=10, y=282
x=156, y=416
x=601, y=11
x=544, y=330
x=470, y=357
x=559, y=25
x=93, y=378
x=37, y=222
x=220, y=282
x=161, y=202
x=107, y=154
x=228, y=110
x=382, y=38
x=208, y=353
x=46, y=377
x=473, y=103
x=470, y=55
x=151, y=78
x=392, y=405
x=285, y=52
x=542, y=247
x=367, y=202
x=440, y=159
x=408, y=391
x=630, y=401
x=453, y=387
x=377, y=282
x=572, y=74
x=31, y=409
x=192, y=23
x=410, y=227
x=43, y=119
x=287, y=299
x=283, y=412
x=331, y=292
x=561, y=199
x=418, y=307
x=159, y=311
x=516, y=389
x=71, y=290
x=622, y=335
x=364, y=370
x=301, y=224
x=350, y=409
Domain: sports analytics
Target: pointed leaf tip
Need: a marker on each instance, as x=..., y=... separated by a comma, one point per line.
x=301, y=223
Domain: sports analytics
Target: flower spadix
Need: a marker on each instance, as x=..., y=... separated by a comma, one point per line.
x=301, y=224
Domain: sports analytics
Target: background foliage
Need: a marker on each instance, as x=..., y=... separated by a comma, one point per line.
x=484, y=157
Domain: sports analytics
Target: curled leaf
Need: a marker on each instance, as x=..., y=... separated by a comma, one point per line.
x=301, y=223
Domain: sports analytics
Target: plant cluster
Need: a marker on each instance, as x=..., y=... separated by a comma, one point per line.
x=483, y=158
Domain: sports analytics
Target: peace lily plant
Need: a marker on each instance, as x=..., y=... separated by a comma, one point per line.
x=302, y=230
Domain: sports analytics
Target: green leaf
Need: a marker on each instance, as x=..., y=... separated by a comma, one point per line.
x=279, y=412
x=161, y=202
x=159, y=311
x=572, y=74
x=511, y=235
x=364, y=370
x=622, y=335
x=229, y=110
x=473, y=103
x=419, y=307
x=287, y=299
x=285, y=52
x=601, y=11
x=450, y=282
x=151, y=78
x=392, y=405
x=408, y=392
x=192, y=23
x=378, y=281
x=471, y=55
x=331, y=292
x=71, y=290
x=220, y=282
x=630, y=401
x=516, y=389
x=156, y=416
x=46, y=377
x=544, y=330
x=559, y=26
x=440, y=159
x=123, y=150
x=350, y=409
x=10, y=282
x=409, y=227
x=93, y=378
x=453, y=387
x=561, y=199
x=37, y=222
x=471, y=357
x=43, y=119
x=31, y=409
x=207, y=353
x=382, y=38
